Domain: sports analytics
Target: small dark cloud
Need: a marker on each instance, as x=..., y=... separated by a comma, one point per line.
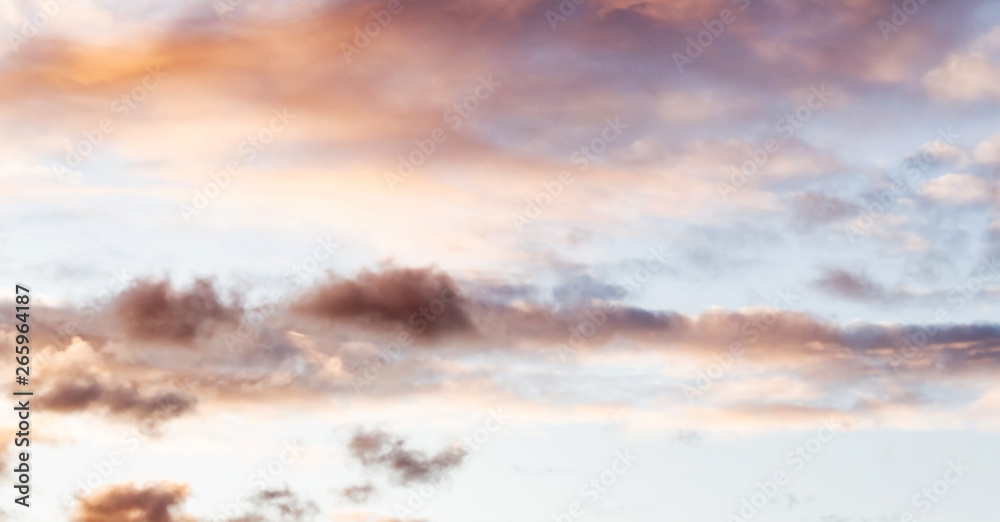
x=278, y=505
x=77, y=392
x=359, y=494
x=854, y=286
x=404, y=297
x=688, y=437
x=153, y=310
x=131, y=503
x=813, y=208
x=381, y=450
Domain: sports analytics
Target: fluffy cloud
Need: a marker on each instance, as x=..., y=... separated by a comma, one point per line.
x=382, y=450
x=294, y=356
x=958, y=189
x=988, y=152
x=132, y=503
x=153, y=310
x=965, y=77
x=401, y=297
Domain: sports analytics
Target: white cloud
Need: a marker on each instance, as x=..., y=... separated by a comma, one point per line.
x=965, y=76
x=988, y=152
x=957, y=189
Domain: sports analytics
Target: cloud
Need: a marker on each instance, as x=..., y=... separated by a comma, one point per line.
x=293, y=354
x=988, y=152
x=80, y=379
x=81, y=392
x=153, y=310
x=359, y=494
x=850, y=285
x=131, y=503
x=278, y=505
x=958, y=189
x=857, y=286
x=381, y=450
x=584, y=287
x=813, y=208
x=965, y=77
x=401, y=297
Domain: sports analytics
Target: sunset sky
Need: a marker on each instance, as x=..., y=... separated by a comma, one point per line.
x=504, y=261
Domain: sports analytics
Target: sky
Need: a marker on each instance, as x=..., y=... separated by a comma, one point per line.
x=498, y=261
